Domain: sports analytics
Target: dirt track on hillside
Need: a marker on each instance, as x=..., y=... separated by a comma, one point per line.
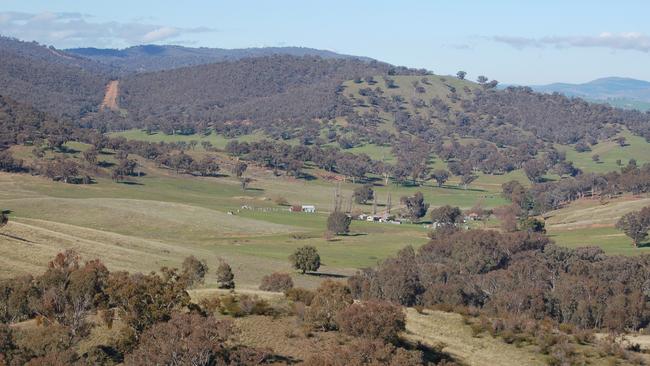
x=110, y=98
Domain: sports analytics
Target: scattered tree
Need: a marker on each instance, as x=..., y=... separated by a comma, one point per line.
x=461, y=75
x=339, y=222
x=363, y=194
x=305, y=259
x=4, y=219
x=446, y=215
x=225, y=277
x=635, y=225
x=467, y=179
x=440, y=176
x=239, y=168
x=194, y=270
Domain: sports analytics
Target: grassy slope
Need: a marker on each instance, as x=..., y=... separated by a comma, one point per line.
x=166, y=217
x=589, y=222
x=609, y=151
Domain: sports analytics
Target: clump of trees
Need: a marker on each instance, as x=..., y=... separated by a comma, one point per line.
x=522, y=272
x=416, y=208
x=305, y=259
x=446, y=215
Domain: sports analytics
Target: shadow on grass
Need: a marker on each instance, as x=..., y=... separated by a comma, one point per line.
x=105, y=164
x=355, y=234
x=254, y=189
x=131, y=183
x=15, y=238
x=326, y=275
x=644, y=245
x=431, y=354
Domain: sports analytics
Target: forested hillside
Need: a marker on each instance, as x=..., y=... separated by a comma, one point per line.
x=50, y=80
x=262, y=90
x=148, y=58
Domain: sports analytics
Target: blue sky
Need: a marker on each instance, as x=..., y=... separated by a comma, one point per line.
x=522, y=42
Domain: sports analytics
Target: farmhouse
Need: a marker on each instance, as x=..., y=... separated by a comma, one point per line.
x=308, y=208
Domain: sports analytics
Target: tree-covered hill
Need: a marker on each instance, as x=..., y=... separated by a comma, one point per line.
x=50, y=80
x=148, y=58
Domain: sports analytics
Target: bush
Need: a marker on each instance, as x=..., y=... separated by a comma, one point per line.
x=330, y=298
x=372, y=320
x=365, y=352
x=186, y=339
x=194, y=270
x=299, y=294
x=225, y=277
x=276, y=282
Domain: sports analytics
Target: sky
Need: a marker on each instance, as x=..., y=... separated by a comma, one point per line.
x=514, y=42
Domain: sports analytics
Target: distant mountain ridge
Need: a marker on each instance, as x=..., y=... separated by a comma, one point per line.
x=618, y=91
x=148, y=58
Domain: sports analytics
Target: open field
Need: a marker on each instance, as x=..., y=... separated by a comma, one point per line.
x=163, y=219
x=160, y=218
x=591, y=223
x=609, y=152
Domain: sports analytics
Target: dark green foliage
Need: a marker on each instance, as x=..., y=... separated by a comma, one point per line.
x=440, y=176
x=416, y=208
x=339, y=222
x=533, y=225
x=635, y=225
x=225, y=277
x=305, y=259
x=446, y=215
x=363, y=194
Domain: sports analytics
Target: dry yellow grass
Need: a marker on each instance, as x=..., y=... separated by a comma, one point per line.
x=588, y=212
x=437, y=327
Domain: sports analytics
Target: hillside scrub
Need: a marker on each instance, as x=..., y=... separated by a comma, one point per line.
x=519, y=273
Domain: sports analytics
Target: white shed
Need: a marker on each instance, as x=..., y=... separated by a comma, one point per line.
x=308, y=208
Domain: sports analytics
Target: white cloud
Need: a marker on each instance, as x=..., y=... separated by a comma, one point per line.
x=75, y=30
x=616, y=41
x=160, y=34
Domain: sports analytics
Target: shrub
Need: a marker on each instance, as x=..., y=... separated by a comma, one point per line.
x=194, y=270
x=365, y=352
x=330, y=298
x=187, y=339
x=299, y=294
x=281, y=201
x=276, y=282
x=372, y=320
x=225, y=277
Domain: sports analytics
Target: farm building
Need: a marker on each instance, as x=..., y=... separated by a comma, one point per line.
x=308, y=208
